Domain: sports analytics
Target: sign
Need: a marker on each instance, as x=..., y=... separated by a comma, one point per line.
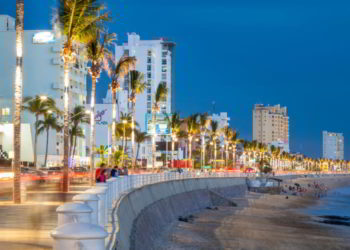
x=43, y=37
x=99, y=117
x=161, y=124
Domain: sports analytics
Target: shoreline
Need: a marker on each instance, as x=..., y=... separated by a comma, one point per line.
x=261, y=221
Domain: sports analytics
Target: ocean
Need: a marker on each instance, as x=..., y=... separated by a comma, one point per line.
x=334, y=208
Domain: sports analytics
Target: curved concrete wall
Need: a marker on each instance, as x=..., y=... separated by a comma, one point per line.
x=152, y=206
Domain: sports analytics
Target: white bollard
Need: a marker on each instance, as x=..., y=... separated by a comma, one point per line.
x=92, y=201
x=79, y=236
x=110, y=193
x=114, y=188
x=73, y=213
x=108, y=196
x=101, y=193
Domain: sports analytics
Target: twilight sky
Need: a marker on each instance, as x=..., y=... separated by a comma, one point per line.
x=241, y=52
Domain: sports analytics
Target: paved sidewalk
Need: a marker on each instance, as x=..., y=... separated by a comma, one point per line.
x=27, y=226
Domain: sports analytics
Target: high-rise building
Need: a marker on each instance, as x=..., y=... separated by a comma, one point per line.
x=156, y=60
x=42, y=75
x=271, y=125
x=333, y=145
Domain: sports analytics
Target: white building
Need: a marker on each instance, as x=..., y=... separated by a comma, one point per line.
x=333, y=145
x=271, y=125
x=156, y=60
x=42, y=75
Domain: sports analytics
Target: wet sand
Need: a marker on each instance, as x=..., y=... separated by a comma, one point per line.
x=259, y=222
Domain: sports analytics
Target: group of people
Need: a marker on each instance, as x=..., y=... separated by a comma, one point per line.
x=316, y=189
x=103, y=173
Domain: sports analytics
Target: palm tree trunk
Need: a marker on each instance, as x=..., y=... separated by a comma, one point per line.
x=215, y=154
x=17, y=86
x=35, y=140
x=74, y=146
x=172, y=152
x=154, y=140
x=114, y=119
x=190, y=149
x=65, y=186
x=47, y=146
x=133, y=157
x=93, y=131
x=138, y=150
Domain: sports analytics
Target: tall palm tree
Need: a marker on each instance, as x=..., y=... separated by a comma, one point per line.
x=78, y=21
x=97, y=53
x=49, y=122
x=17, y=98
x=39, y=105
x=77, y=117
x=227, y=132
x=122, y=68
x=140, y=137
x=160, y=96
x=214, y=134
x=235, y=141
x=203, y=126
x=174, y=124
x=138, y=86
x=192, y=130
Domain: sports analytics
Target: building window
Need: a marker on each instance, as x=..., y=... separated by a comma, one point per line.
x=149, y=67
x=149, y=75
x=5, y=111
x=149, y=90
x=163, y=76
x=149, y=59
x=126, y=52
x=164, y=69
x=149, y=53
x=164, y=53
x=149, y=83
x=164, y=61
x=149, y=98
x=149, y=105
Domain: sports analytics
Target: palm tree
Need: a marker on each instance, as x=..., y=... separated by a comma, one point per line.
x=49, y=122
x=160, y=96
x=122, y=68
x=234, y=140
x=140, y=137
x=17, y=97
x=138, y=86
x=39, y=105
x=97, y=52
x=214, y=133
x=227, y=132
x=192, y=130
x=78, y=21
x=174, y=124
x=203, y=126
x=77, y=117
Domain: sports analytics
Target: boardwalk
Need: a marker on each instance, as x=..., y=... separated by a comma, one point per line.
x=27, y=226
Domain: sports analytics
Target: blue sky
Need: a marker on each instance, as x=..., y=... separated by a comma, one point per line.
x=238, y=53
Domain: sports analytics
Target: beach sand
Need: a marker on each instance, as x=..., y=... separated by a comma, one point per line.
x=260, y=221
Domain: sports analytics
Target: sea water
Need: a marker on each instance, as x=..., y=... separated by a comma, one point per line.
x=333, y=208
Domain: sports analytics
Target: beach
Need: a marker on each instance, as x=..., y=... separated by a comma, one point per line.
x=261, y=221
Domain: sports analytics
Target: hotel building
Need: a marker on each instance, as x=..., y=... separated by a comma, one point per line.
x=42, y=75
x=333, y=145
x=271, y=125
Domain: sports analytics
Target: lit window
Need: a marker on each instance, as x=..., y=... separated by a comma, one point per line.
x=5, y=111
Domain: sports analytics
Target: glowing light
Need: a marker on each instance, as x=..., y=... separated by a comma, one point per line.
x=87, y=112
x=43, y=97
x=6, y=175
x=44, y=37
